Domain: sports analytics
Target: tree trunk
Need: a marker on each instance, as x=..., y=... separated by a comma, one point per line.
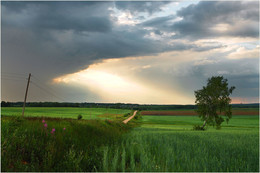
x=204, y=123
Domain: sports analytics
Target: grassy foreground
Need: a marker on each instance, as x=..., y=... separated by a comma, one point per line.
x=169, y=144
x=61, y=145
x=157, y=143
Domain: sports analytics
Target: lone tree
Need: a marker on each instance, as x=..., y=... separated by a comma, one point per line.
x=213, y=101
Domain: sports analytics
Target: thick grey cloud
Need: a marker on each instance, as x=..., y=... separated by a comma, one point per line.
x=63, y=37
x=76, y=16
x=212, y=19
x=199, y=19
x=67, y=35
x=221, y=11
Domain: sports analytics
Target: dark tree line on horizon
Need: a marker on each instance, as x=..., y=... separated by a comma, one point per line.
x=114, y=105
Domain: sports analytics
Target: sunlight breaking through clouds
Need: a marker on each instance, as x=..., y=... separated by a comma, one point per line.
x=117, y=88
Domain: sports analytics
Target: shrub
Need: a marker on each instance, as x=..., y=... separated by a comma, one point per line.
x=197, y=127
x=126, y=115
x=108, y=121
x=79, y=117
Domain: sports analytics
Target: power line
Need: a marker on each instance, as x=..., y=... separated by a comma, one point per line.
x=48, y=92
x=16, y=77
x=13, y=77
x=48, y=87
x=33, y=96
x=14, y=74
x=10, y=76
x=54, y=91
x=42, y=83
x=5, y=78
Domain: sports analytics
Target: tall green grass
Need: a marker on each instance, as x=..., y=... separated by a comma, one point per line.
x=186, y=151
x=28, y=146
x=168, y=144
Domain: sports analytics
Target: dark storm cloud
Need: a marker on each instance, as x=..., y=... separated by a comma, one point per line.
x=76, y=16
x=118, y=44
x=56, y=38
x=91, y=24
x=74, y=52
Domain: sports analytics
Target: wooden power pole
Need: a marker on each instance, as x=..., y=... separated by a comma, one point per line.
x=26, y=93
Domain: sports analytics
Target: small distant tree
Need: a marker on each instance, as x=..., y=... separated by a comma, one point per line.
x=79, y=117
x=213, y=101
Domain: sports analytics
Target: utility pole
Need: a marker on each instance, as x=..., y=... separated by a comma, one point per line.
x=26, y=93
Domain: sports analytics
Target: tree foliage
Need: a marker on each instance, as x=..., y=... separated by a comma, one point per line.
x=213, y=101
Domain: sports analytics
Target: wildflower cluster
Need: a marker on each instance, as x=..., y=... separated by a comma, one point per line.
x=45, y=126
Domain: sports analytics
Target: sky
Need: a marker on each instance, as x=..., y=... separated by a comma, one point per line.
x=129, y=52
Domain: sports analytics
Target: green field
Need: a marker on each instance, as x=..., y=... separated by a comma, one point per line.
x=153, y=143
x=246, y=122
x=168, y=143
x=64, y=112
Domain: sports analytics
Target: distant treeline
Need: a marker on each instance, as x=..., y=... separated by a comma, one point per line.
x=114, y=105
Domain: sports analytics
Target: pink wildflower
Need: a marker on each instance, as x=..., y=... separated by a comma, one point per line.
x=52, y=131
x=43, y=121
x=64, y=128
x=45, y=125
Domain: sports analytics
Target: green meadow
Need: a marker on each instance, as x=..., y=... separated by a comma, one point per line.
x=168, y=143
x=61, y=145
x=149, y=143
x=64, y=112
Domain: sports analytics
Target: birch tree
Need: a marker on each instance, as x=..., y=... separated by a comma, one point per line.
x=213, y=102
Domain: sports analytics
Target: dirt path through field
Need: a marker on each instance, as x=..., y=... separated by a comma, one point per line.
x=128, y=119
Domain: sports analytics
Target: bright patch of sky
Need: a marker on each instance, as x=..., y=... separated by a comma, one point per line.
x=126, y=18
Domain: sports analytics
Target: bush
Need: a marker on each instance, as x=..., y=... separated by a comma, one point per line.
x=126, y=115
x=197, y=127
x=108, y=121
x=79, y=117
x=138, y=116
